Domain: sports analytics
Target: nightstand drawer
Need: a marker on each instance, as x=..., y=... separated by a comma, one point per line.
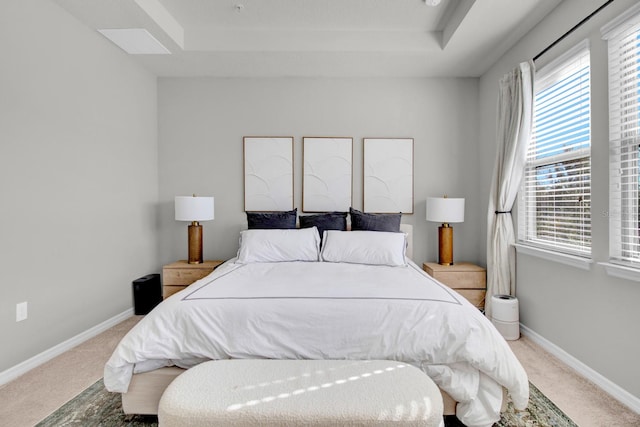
x=464, y=280
x=167, y=291
x=182, y=277
x=467, y=279
x=180, y=274
x=474, y=296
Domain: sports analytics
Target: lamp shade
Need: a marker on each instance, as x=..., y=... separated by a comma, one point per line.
x=445, y=209
x=192, y=208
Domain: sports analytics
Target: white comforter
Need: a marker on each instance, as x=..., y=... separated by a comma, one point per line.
x=321, y=310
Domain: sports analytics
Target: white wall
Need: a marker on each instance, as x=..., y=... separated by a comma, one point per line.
x=202, y=122
x=588, y=314
x=78, y=177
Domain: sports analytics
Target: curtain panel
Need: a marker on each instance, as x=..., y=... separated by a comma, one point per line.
x=515, y=116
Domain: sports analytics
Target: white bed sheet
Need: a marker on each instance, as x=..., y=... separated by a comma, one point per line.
x=321, y=310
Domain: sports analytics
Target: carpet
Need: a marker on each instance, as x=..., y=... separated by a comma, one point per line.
x=97, y=407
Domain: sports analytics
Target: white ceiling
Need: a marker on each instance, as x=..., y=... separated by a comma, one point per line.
x=325, y=38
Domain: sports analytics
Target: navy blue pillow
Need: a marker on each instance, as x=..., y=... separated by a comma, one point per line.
x=272, y=220
x=374, y=222
x=325, y=221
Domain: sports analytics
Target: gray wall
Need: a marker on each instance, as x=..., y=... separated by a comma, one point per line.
x=78, y=177
x=588, y=314
x=202, y=122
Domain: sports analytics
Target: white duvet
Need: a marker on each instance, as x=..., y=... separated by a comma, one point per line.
x=321, y=310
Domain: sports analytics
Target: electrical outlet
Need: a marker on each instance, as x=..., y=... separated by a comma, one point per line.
x=21, y=311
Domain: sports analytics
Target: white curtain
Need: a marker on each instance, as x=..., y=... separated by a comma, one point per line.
x=515, y=116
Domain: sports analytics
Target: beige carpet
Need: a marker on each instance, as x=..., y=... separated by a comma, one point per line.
x=38, y=393
x=586, y=404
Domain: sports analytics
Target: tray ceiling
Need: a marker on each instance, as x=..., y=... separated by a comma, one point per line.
x=319, y=38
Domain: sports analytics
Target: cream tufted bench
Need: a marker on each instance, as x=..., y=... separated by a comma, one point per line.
x=301, y=392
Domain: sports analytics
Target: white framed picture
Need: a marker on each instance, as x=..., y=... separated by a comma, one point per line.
x=327, y=174
x=268, y=173
x=388, y=175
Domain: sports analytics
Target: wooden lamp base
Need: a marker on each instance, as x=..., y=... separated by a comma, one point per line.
x=195, y=243
x=445, y=244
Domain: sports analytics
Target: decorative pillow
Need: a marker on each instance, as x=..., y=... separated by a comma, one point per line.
x=325, y=221
x=271, y=220
x=278, y=245
x=365, y=247
x=374, y=222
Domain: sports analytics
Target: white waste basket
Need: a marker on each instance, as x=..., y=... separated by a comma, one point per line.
x=505, y=316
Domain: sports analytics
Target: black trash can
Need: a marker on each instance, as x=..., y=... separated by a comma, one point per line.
x=147, y=293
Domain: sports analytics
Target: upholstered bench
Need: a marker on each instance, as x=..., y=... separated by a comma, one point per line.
x=301, y=392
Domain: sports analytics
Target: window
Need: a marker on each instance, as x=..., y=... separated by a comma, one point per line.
x=554, y=203
x=623, y=38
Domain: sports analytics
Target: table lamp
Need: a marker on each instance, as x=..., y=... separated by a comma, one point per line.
x=445, y=210
x=194, y=209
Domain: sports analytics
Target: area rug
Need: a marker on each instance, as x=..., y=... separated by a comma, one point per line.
x=97, y=407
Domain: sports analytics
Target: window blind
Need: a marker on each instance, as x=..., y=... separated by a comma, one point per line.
x=624, y=139
x=554, y=204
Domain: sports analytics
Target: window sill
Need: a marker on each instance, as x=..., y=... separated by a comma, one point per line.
x=621, y=271
x=571, y=260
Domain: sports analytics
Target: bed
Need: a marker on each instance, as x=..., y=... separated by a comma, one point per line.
x=360, y=297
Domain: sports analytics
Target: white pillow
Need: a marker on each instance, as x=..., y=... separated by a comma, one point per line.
x=279, y=245
x=364, y=247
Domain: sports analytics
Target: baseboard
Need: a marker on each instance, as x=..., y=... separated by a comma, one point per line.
x=37, y=360
x=598, y=379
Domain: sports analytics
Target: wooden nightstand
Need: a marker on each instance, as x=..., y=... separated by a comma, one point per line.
x=178, y=275
x=467, y=279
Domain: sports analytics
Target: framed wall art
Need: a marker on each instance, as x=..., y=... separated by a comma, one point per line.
x=268, y=173
x=327, y=174
x=388, y=175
